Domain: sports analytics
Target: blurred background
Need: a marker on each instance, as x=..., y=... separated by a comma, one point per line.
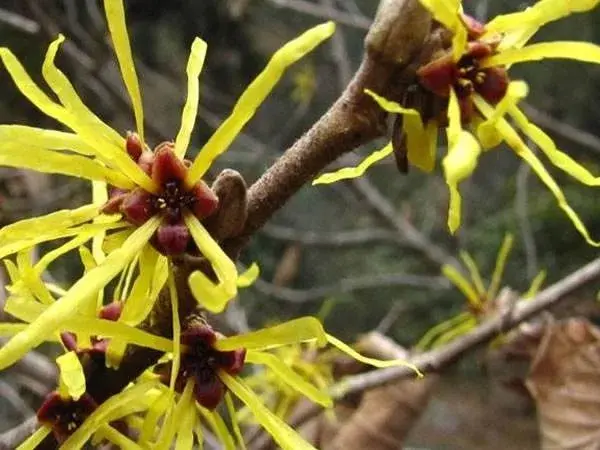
x=364, y=254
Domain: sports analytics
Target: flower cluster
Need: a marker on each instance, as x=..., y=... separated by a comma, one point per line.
x=467, y=89
x=482, y=302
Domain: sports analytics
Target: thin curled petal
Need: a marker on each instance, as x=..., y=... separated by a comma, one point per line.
x=213, y=297
x=47, y=161
x=487, y=133
x=190, y=109
x=579, y=51
x=111, y=153
x=176, y=331
x=67, y=95
x=33, y=441
x=447, y=12
x=463, y=285
x=254, y=95
x=234, y=422
x=218, y=427
x=501, y=259
x=426, y=342
x=98, y=417
x=115, y=16
x=344, y=348
x=289, y=377
x=80, y=293
x=71, y=378
x=536, y=284
x=304, y=329
x=471, y=266
x=354, y=172
x=43, y=138
x=117, y=438
x=281, y=432
x=557, y=157
x=29, y=228
x=173, y=420
x=520, y=148
x=248, y=277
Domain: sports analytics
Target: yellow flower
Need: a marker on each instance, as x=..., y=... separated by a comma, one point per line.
x=471, y=75
x=96, y=152
x=481, y=301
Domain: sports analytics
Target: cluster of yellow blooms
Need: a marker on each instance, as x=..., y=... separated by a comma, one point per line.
x=148, y=205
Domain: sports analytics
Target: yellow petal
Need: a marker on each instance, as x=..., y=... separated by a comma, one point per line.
x=116, y=330
x=248, y=278
x=82, y=290
x=213, y=297
x=535, y=285
x=438, y=330
x=501, y=259
x=185, y=432
x=111, y=153
x=48, y=139
x=294, y=331
x=579, y=51
x=190, y=110
x=289, y=377
x=354, y=172
x=176, y=331
x=71, y=378
x=47, y=161
x=35, y=439
x=115, y=16
x=67, y=95
x=534, y=17
x=560, y=159
x=155, y=411
x=65, y=218
x=281, y=432
x=459, y=163
x=471, y=265
x=218, y=427
x=234, y=421
x=516, y=143
x=173, y=420
x=117, y=438
x=463, y=285
x=98, y=417
x=99, y=196
x=487, y=133
x=391, y=106
x=458, y=330
x=370, y=361
x=421, y=142
x=447, y=13
x=254, y=95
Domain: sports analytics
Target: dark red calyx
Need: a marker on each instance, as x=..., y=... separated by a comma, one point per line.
x=439, y=75
x=171, y=239
x=202, y=363
x=134, y=145
x=492, y=84
x=64, y=416
x=138, y=206
x=167, y=167
x=205, y=201
x=475, y=28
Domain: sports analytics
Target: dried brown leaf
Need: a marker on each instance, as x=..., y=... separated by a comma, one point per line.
x=565, y=383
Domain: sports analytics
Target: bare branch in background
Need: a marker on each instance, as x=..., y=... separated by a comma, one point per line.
x=324, y=12
x=330, y=239
x=563, y=129
x=18, y=22
x=9, y=440
x=522, y=210
x=350, y=284
x=386, y=212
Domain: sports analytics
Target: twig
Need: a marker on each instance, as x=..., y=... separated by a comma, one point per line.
x=324, y=12
x=11, y=439
x=521, y=207
x=350, y=285
x=435, y=360
x=19, y=22
x=330, y=239
x=382, y=208
x=10, y=394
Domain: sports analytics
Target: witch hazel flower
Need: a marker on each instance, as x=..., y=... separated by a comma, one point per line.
x=462, y=83
x=157, y=199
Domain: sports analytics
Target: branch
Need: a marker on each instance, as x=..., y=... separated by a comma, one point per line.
x=350, y=284
x=435, y=360
x=331, y=239
x=11, y=439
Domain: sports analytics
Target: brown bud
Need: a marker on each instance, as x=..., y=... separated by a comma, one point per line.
x=134, y=145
